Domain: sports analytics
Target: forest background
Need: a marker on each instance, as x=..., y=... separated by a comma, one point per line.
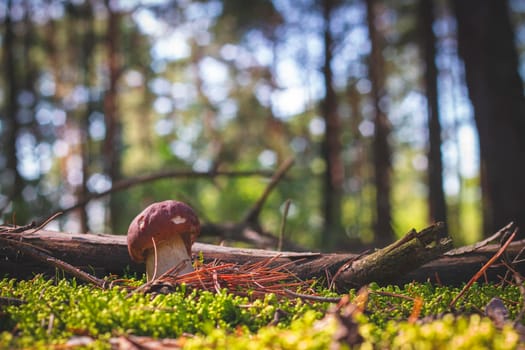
x=397, y=113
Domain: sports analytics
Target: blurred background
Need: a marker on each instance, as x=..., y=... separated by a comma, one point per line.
x=398, y=114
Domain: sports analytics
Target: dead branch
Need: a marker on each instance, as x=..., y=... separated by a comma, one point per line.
x=103, y=255
x=253, y=215
x=169, y=174
x=250, y=230
x=415, y=257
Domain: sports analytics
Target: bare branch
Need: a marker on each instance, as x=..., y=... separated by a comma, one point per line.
x=253, y=214
x=139, y=180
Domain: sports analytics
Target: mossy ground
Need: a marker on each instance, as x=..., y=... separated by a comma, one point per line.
x=57, y=311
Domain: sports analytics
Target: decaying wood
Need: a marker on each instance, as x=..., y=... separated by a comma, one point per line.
x=415, y=257
x=388, y=264
x=47, y=259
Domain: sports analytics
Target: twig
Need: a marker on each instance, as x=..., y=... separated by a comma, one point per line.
x=47, y=221
x=283, y=224
x=334, y=300
x=510, y=265
x=516, y=259
x=518, y=277
x=17, y=229
x=32, y=225
x=483, y=268
x=253, y=214
x=393, y=295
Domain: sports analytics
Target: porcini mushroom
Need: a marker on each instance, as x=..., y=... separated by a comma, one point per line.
x=162, y=235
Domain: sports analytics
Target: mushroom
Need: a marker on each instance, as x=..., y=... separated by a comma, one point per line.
x=162, y=235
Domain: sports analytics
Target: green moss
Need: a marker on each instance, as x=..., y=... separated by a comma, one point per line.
x=301, y=334
x=57, y=311
x=463, y=332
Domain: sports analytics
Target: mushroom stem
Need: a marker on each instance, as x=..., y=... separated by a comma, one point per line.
x=168, y=255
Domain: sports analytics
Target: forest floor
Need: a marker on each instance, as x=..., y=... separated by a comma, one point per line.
x=60, y=313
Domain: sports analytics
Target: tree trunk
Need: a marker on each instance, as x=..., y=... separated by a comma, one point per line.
x=486, y=44
x=112, y=143
x=358, y=170
x=436, y=195
x=331, y=147
x=14, y=182
x=88, y=46
x=381, y=146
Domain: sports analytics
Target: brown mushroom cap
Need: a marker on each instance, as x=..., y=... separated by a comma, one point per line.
x=161, y=221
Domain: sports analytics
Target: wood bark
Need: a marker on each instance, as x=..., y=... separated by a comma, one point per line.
x=381, y=146
x=486, y=44
x=436, y=195
x=86, y=66
x=113, y=141
x=419, y=256
x=11, y=127
x=331, y=147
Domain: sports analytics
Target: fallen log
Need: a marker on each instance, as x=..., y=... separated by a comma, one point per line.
x=418, y=256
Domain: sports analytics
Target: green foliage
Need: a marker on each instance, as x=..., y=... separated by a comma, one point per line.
x=54, y=312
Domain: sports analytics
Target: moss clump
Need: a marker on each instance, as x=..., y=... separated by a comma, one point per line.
x=302, y=333
x=447, y=332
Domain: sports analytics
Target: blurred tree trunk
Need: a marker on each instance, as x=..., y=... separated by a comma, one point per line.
x=11, y=175
x=331, y=146
x=486, y=44
x=88, y=47
x=381, y=146
x=436, y=195
x=30, y=71
x=358, y=170
x=112, y=146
